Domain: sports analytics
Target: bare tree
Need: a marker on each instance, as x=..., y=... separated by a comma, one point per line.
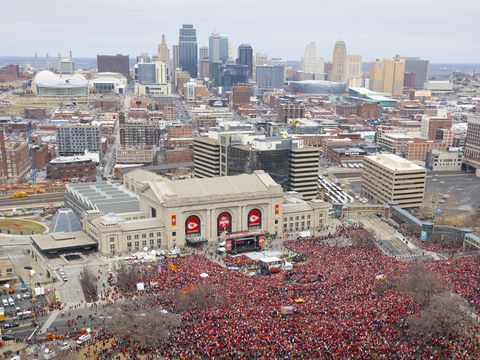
x=141, y=321
x=447, y=313
x=420, y=284
x=198, y=298
x=127, y=277
x=362, y=238
x=89, y=284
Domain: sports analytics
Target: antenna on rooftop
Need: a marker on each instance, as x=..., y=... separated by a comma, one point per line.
x=48, y=62
x=36, y=61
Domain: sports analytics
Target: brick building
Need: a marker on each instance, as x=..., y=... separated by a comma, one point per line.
x=179, y=131
x=107, y=105
x=72, y=167
x=9, y=72
x=14, y=160
x=138, y=132
x=417, y=148
x=369, y=111
x=346, y=109
x=241, y=94
x=34, y=113
x=178, y=156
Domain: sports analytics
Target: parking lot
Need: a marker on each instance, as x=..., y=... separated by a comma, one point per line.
x=462, y=191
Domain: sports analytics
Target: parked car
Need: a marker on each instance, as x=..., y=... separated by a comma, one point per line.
x=83, y=338
x=7, y=337
x=64, y=346
x=10, y=325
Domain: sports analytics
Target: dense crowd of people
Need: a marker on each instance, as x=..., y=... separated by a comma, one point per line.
x=337, y=309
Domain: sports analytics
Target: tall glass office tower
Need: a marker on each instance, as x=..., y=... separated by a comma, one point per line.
x=187, y=50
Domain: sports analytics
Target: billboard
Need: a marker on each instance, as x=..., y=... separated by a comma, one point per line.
x=218, y=103
x=254, y=219
x=224, y=222
x=192, y=225
x=423, y=235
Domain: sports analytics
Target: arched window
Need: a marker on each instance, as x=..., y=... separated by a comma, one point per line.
x=224, y=223
x=192, y=226
x=254, y=219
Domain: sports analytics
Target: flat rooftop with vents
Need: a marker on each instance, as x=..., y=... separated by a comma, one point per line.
x=103, y=196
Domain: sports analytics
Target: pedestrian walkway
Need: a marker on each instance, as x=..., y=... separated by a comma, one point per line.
x=50, y=320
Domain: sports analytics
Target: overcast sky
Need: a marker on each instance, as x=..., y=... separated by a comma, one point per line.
x=438, y=30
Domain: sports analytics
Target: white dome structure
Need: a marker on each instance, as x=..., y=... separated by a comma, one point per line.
x=78, y=79
x=48, y=84
x=46, y=78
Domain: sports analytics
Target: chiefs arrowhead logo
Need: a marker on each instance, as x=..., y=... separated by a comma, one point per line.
x=192, y=225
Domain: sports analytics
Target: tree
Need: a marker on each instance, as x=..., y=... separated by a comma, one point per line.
x=127, y=277
x=446, y=314
x=420, y=284
x=89, y=284
x=140, y=320
x=362, y=238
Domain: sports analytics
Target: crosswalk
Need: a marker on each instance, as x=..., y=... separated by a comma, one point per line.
x=410, y=256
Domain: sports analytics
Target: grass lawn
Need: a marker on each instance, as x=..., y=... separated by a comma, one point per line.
x=25, y=225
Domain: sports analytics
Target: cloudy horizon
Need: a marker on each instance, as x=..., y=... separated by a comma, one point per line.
x=440, y=31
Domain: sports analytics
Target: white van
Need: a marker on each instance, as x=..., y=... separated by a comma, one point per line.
x=11, y=301
x=5, y=302
x=83, y=338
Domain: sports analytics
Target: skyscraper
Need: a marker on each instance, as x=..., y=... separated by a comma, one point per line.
x=187, y=50
x=311, y=63
x=163, y=51
x=175, y=59
x=203, y=52
x=270, y=76
x=218, y=56
x=354, y=71
x=387, y=75
x=339, y=67
x=418, y=67
x=245, y=57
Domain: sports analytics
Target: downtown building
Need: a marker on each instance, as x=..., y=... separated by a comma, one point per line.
x=388, y=178
x=187, y=50
x=471, y=155
x=138, y=132
x=287, y=161
x=387, y=76
x=14, y=160
x=75, y=139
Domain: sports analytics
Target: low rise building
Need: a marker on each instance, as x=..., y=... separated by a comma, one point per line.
x=136, y=155
x=437, y=160
x=81, y=167
x=7, y=271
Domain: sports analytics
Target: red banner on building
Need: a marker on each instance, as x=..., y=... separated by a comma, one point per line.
x=224, y=222
x=174, y=220
x=277, y=209
x=192, y=225
x=254, y=218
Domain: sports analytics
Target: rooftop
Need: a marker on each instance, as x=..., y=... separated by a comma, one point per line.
x=63, y=241
x=103, y=196
x=225, y=187
x=394, y=162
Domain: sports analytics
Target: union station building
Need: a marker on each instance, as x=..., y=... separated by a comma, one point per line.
x=176, y=213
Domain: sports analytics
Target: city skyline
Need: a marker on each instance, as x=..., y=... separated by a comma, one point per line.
x=376, y=30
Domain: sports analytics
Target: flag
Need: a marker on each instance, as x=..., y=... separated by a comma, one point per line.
x=172, y=267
